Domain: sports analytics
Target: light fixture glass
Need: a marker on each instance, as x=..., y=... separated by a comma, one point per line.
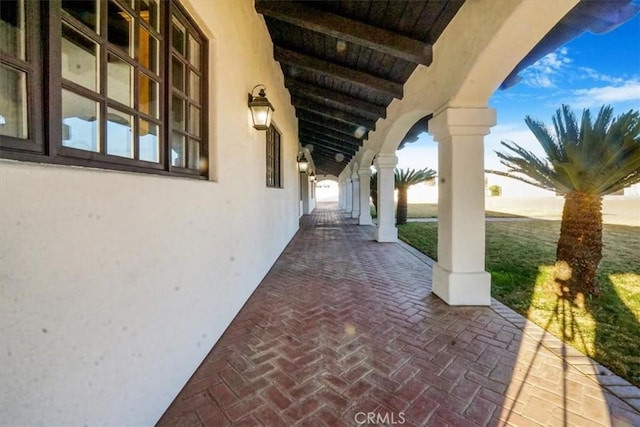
x=303, y=165
x=261, y=109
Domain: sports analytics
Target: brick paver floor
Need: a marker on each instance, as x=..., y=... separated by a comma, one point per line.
x=344, y=330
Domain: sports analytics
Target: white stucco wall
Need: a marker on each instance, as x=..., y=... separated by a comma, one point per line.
x=513, y=188
x=114, y=286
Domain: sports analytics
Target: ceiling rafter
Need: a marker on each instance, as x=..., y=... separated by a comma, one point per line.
x=348, y=118
x=327, y=149
x=314, y=141
x=328, y=160
x=330, y=157
x=352, y=130
x=344, y=62
x=316, y=137
x=349, y=30
x=305, y=133
x=304, y=125
x=338, y=72
x=333, y=98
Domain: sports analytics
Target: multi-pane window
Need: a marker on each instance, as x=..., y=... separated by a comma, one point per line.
x=123, y=85
x=20, y=117
x=186, y=93
x=274, y=177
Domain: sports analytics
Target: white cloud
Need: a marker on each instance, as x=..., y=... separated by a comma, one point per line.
x=629, y=91
x=547, y=69
x=590, y=73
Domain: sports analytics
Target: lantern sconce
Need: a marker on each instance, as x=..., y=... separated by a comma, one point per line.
x=302, y=163
x=261, y=108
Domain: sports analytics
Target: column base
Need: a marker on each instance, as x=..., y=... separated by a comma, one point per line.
x=355, y=214
x=462, y=288
x=386, y=234
x=365, y=220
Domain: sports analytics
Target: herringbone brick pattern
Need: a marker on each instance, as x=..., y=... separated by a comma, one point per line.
x=343, y=326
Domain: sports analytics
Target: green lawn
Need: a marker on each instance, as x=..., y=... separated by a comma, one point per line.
x=520, y=257
x=430, y=210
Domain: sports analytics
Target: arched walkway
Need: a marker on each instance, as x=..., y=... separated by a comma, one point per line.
x=344, y=326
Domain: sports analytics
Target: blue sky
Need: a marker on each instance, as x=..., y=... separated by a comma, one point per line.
x=587, y=72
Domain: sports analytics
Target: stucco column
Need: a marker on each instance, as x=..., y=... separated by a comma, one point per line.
x=340, y=195
x=365, y=194
x=386, y=230
x=304, y=192
x=459, y=277
x=312, y=194
x=348, y=198
x=355, y=195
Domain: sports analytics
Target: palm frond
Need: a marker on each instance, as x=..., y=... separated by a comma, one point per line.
x=598, y=157
x=408, y=177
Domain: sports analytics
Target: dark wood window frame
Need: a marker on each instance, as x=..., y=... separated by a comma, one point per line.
x=274, y=157
x=45, y=84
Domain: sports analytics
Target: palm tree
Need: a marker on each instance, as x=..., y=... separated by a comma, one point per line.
x=583, y=162
x=405, y=179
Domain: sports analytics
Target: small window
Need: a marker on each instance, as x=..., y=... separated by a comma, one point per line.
x=274, y=176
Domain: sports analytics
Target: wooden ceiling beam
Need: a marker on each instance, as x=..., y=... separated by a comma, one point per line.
x=330, y=157
x=304, y=135
x=338, y=72
x=332, y=113
x=330, y=150
x=313, y=141
x=349, y=30
x=304, y=125
x=352, y=130
x=311, y=144
x=336, y=99
x=312, y=138
x=327, y=158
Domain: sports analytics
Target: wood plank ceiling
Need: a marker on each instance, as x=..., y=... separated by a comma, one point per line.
x=345, y=61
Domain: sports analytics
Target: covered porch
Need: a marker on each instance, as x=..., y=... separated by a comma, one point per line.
x=119, y=276
x=343, y=327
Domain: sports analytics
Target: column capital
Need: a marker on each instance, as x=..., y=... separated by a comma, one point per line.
x=364, y=172
x=450, y=121
x=385, y=161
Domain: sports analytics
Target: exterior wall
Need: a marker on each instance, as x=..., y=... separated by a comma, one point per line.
x=114, y=286
x=513, y=188
x=632, y=191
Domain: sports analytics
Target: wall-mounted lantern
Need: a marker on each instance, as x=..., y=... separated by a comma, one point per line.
x=261, y=108
x=302, y=163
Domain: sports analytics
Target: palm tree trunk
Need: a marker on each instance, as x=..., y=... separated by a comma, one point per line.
x=580, y=245
x=401, y=210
